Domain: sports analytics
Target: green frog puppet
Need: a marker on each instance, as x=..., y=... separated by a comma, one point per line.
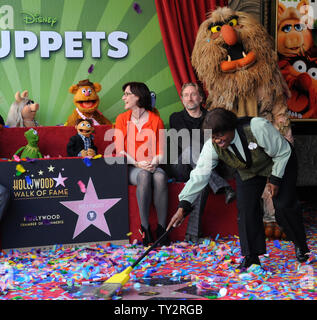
x=31, y=150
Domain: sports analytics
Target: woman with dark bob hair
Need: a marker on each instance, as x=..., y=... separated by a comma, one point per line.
x=261, y=156
x=137, y=136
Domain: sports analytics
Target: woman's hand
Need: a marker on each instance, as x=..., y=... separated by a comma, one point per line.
x=145, y=165
x=155, y=163
x=177, y=219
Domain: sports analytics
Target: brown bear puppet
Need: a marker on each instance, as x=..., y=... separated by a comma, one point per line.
x=86, y=101
x=234, y=57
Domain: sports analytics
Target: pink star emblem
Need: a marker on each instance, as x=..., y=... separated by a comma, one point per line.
x=60, y=180
x=90, y=210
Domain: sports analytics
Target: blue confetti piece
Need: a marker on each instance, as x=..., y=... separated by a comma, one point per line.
x=87, y=162
x=28, y=180
x=217, y=236
x=153, y=99
x=277, y=244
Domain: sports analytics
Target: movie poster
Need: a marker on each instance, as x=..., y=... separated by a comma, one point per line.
x=297, y=50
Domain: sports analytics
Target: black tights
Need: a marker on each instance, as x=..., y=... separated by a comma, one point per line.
x=147, y=182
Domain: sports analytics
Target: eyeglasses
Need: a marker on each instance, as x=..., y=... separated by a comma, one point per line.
x=127, y=94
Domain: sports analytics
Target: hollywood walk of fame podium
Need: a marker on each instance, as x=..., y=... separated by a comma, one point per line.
x=64, y=201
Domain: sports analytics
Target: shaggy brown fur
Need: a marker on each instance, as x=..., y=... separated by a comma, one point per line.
x=257, y=90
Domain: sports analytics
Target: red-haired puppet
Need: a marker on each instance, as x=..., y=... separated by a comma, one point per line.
x=300, y=74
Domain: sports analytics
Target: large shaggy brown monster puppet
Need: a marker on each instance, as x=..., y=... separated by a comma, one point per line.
x=235, y=58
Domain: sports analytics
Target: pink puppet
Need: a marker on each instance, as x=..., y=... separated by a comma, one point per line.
x=22, y=111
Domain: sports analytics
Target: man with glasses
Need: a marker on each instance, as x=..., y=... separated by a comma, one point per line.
x=191, y=118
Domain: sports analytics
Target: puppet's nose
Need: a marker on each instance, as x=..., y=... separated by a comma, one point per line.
x=87, y=93
x=304, y=81
x=229, y=35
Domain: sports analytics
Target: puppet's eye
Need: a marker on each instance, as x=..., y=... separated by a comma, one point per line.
x=82, y=124
x=215, y=29
x=300, y=66
x=233, y=22
x=299, y=27
x=313, y=73
x=287, y=28
x=89, y=90
x=83, y=91
x=34, y=132
x=88, y=125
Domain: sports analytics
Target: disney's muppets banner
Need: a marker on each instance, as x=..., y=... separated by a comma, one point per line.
x=297, y=49
x=47, y=46
x=64, y=201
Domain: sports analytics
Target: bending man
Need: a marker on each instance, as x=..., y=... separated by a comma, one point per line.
x=259, y=153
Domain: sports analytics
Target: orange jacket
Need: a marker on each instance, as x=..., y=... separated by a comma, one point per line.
x=143, y=145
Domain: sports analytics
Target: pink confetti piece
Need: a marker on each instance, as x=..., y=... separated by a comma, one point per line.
x=81, y=186
x=16, y=158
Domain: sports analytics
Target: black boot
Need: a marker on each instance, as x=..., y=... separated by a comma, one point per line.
x=147, y=236
x=159, y=232
x=301, y=255
x=248, y=261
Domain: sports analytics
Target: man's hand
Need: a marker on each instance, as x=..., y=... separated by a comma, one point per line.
x=177, y=219
x=84, y=153
x=272, y=189
x=91, y=152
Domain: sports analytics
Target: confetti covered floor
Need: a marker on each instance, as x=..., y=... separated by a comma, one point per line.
x=181, y=271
